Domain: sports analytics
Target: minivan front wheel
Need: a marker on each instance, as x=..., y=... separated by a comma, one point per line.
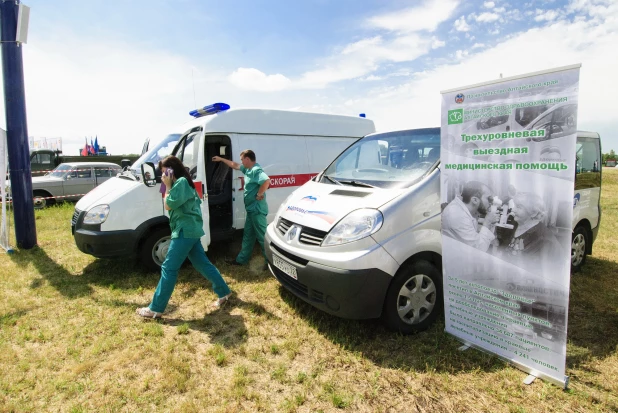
x=414, y=298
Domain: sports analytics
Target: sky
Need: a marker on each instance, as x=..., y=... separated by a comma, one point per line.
x=124, y=71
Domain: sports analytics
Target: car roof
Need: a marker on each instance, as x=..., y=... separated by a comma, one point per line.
x=282, y=122
x=90, y=164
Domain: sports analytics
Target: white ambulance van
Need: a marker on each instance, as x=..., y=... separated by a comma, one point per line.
x=362, y=240
x=125, y=216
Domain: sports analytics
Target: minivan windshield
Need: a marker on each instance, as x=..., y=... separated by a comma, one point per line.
x=160, y=151
x=386, y=160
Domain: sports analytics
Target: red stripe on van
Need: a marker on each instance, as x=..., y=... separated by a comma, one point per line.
x=199, y=188
x=282, y=181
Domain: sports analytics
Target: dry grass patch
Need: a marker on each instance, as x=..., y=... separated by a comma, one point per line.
x=70, y=341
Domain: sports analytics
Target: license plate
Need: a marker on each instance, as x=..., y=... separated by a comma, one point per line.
x=287, y=268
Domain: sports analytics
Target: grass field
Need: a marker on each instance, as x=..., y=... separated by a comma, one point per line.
x=70, y=342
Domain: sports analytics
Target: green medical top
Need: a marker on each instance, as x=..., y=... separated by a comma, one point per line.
x=185, y=213
x=254, y=178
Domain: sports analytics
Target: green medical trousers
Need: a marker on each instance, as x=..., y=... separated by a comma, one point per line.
x=255, y=229
x=180, y=249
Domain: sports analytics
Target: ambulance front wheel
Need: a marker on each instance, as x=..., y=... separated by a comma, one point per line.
x=154, y=248
x=414, y=298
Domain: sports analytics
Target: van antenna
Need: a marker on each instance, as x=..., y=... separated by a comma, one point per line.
x=193, y=81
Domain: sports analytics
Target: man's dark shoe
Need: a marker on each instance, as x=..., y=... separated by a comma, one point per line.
x=232, y=262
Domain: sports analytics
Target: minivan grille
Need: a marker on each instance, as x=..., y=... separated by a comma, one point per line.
x=284, y=225
x=307, y=236
x=311, y=236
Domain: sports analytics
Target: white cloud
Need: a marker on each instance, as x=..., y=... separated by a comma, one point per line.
x=426, y=17
x=125, y=92
x=489, y=4
x=365, y=56
x=437, y=43
x=77, y=87
x=548, y=15
x=372, y=78
x=487, y=17
x=461, y=25
x=406, y=41
x=416, y=103
x=460, y=54
x=253, y=79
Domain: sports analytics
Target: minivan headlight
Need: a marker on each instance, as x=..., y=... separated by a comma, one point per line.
x=97, y=215
x=356, y=225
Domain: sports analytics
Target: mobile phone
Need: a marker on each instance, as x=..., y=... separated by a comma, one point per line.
x=169, y=172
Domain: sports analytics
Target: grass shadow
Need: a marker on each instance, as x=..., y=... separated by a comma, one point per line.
x=592, y=329
x=593, y=312
x=10, y=319
x=69, y=285
x=431, y=350
x=222, y=326
x=103, y=272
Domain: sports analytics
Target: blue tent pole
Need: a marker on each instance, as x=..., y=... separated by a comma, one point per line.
x=16, y=127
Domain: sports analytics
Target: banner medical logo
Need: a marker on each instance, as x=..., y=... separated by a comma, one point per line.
x=455, y=116
x=459, y=98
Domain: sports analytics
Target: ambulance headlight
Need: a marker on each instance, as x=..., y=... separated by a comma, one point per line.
x=97, y=215
x=356, y=225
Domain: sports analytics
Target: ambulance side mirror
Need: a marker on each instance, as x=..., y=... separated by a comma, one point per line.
x=148, y=174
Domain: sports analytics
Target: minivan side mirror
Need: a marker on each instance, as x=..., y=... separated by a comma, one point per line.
x=148, y=174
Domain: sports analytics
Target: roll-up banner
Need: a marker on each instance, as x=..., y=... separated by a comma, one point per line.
x=507, y=176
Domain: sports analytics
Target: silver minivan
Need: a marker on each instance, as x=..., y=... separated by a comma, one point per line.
x=362, y=239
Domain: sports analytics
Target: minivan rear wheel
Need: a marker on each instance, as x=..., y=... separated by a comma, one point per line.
x=579, y=244
x=414, y=298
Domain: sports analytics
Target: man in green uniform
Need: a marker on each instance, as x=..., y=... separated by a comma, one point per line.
x=256, y=184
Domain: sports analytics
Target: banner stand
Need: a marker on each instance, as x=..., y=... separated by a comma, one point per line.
x=508, y=164
x=564, y=383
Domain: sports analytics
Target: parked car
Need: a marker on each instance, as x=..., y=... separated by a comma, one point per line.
x=71, y=181
x=43, y=160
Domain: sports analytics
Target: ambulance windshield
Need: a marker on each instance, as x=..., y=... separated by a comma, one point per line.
x=154, y=155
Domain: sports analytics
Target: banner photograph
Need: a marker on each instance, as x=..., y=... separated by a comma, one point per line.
x=508, y=169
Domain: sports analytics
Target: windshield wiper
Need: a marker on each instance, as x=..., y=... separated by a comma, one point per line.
x=333, y=180
x=356, y=183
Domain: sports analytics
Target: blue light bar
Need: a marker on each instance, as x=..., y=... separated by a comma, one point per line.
x=362, y=115
x=209, y=110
